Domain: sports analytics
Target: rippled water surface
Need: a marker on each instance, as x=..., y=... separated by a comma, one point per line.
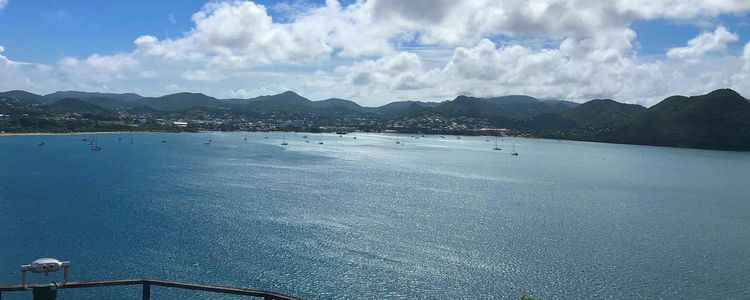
x=369, y=218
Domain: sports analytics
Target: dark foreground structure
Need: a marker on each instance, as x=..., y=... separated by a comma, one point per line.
x=49, y=291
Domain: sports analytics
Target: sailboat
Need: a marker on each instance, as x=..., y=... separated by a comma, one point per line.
x=283, y=141
x=496, y=146
x=397, y=141
x=246, y=135
x=321, y=139
x=208, y=142
x=95, y=146
x=513, y=152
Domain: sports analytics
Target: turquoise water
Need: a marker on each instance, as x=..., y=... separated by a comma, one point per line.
x=367, y=218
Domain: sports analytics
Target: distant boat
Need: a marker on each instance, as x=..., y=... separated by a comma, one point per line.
x=42, y=144
x=208, y=142
x=246, y=135
x=355, y=137
x=341, y=132
x=442, y=137
x=163, y=141
x=321, y=139
x=95, y=146
x=283, y=141
x=132, y=141
x=458, y=137
x=265, y=137
x=119, y=139
x=397, y=141
x=496, y=146
x=307, y=141
x=513, y=152
x=304, y=136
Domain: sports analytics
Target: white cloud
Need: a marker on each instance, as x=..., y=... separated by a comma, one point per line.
x=572, y=49
x=401, y=71
x=704, y=43
x=3, y=3
x=236, y=35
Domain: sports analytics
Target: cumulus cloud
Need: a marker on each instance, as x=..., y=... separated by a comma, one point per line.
x=706, y=42
x=583, y=49
x=3, y=3
x=401, y=71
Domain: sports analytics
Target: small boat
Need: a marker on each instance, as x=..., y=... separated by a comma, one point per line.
x=163, y=141
x=341, y=132
x=442, y=137
x=496, y=146
x=304, y=136
x=265, y=137
x=42, y=144
x=355, y=137
x=119, y=139
x=283, y=142
x=306, y=141
x=95, y=146
x=513, y=152
x=458, y=137
x=321, y=139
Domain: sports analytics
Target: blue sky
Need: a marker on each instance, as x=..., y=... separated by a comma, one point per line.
x=361, y=40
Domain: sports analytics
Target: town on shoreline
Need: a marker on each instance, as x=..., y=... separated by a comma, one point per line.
x=718, y=120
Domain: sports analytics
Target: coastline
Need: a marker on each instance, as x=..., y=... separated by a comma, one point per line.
x=65, y=133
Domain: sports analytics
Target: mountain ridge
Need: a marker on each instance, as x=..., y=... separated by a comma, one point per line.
x=717, y=120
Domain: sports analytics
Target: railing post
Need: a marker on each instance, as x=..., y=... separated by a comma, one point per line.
x=146, y=291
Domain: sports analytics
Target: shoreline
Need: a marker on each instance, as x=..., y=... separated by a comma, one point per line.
x=65, y=133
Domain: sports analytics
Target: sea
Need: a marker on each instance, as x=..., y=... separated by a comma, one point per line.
x=376, y=216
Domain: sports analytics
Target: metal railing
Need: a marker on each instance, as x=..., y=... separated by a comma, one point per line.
x=147, y=283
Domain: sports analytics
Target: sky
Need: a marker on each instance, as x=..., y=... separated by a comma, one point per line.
x=379, y=51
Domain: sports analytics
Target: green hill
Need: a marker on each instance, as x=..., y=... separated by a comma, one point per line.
x=179, y=101
x=718, y=120
x=126, y=97
x=22, y=96
x=603, y=113
x=70, y=105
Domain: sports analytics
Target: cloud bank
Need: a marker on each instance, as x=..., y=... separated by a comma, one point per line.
x=378, y=51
